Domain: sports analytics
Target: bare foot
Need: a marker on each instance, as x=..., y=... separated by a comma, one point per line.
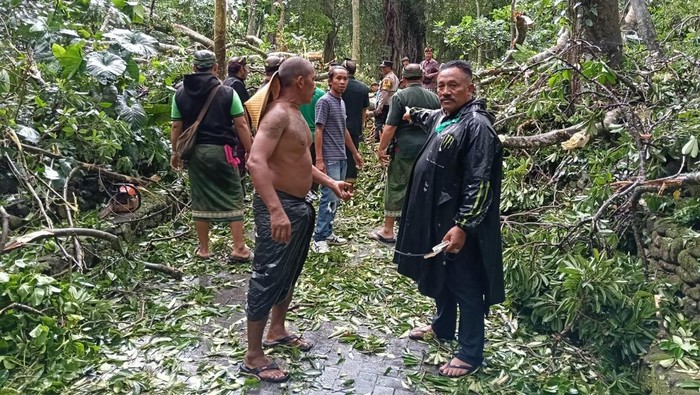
x=241, y=253
x=457, y=368
x=420, y=332
x=272, y=374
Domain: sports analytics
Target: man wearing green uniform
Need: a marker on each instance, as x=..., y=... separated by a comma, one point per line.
x=407, y=140
x=308, y=111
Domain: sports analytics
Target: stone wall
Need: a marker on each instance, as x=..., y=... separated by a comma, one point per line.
x=674, y=252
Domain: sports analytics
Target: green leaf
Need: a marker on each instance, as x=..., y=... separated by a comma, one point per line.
x=138, y=13
x=105, y=66
x=38, y=330
x=134, y=114
x=4, y=278
x=132, y=69
x=134, y=42
x=70, y=58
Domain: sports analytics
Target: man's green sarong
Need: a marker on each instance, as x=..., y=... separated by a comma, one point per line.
x=215, y=185
x=398, y=174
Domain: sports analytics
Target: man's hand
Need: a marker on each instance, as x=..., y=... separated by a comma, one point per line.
x=280, y=227
x=342, y=189
x=407, y=115
x=359, y=163
x=321, y=166
x=456, y=236
x=175, y=162
x=384, y=158
x=378, y=111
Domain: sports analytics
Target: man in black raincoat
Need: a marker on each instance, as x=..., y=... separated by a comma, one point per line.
x=454, y=196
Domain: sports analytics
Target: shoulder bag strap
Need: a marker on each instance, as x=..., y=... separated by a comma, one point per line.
x=207, y=104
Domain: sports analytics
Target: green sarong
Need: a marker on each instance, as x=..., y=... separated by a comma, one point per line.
x=215, y=185
x=398, y=174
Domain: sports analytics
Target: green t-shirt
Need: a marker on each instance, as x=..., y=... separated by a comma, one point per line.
x=236, y=108
x=410, y=137
x=308, y=111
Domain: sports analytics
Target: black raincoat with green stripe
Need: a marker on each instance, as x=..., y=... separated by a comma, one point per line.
x=456, y=180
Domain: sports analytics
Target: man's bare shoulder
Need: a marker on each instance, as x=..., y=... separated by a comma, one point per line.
x=275, y=121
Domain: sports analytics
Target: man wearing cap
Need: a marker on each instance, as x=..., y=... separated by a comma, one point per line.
x=399, y=146
x=387, y=88
x=272, y=64
x=282, y=172
x=430, y=69
x=215, y=185
x=237, y=74
x=356, y=98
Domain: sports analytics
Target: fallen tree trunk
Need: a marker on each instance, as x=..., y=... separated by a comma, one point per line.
x=539, y=140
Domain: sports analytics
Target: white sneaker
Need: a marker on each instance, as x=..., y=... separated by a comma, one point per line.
x=336, y=240
x=320, y=247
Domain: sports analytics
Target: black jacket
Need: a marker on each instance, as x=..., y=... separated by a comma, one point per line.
x=456, y=180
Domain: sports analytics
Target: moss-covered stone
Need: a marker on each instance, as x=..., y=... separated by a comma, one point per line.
x=694, y=293
x=690, y=278
x=667, y=267
x=687, y=261
x=695, y=252
x=665, y=254
x=656, y=238
x=675, y=248
x=661, y=381
x=654, y=252
x=673, y=232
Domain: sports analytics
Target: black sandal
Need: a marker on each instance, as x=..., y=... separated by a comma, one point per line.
x=256, y=372
x=295, y=341
x=469, y=370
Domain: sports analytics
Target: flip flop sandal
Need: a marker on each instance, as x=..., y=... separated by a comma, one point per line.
x=197, y=256
x=469, y=370
x=375, y=235
x=256, y=372
x=232, y=259
x=290, y=341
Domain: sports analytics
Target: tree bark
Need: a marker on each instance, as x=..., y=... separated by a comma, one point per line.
x=194, y=36
x=405, y=29
x=329, y=42
x=252, y=18
x=356, y=30
x=645, y=25
x=220, y=36
x=598, y=21
x=281, y=45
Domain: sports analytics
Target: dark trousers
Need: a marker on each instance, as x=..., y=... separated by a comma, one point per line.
x=379, y=122
x=464, y=287
x=351, y=175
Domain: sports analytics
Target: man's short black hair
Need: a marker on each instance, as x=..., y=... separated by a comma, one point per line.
x=350, y=65
x=332, y=71
x=463, y=65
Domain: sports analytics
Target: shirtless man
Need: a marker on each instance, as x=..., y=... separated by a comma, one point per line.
x=281, y=169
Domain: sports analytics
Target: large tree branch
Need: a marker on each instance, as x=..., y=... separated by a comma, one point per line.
x=31, y=237
x=194, y=36
x=5, y=228
x=539, y=140
x=83, y=165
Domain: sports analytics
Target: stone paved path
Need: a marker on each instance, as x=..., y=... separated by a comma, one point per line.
x=331, y=367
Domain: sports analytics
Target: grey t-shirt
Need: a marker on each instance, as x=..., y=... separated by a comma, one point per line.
x=330, y=113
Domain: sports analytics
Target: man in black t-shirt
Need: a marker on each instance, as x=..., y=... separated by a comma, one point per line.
x=237, y=74
x=356, y=98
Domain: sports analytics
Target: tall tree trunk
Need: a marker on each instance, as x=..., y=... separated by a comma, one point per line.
x=645, y=25
x=252, y=18
x=281, y=45
x=404, y=29
x=329, y=42
x=598, y=21
x=220, y=36
x=356, y=30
